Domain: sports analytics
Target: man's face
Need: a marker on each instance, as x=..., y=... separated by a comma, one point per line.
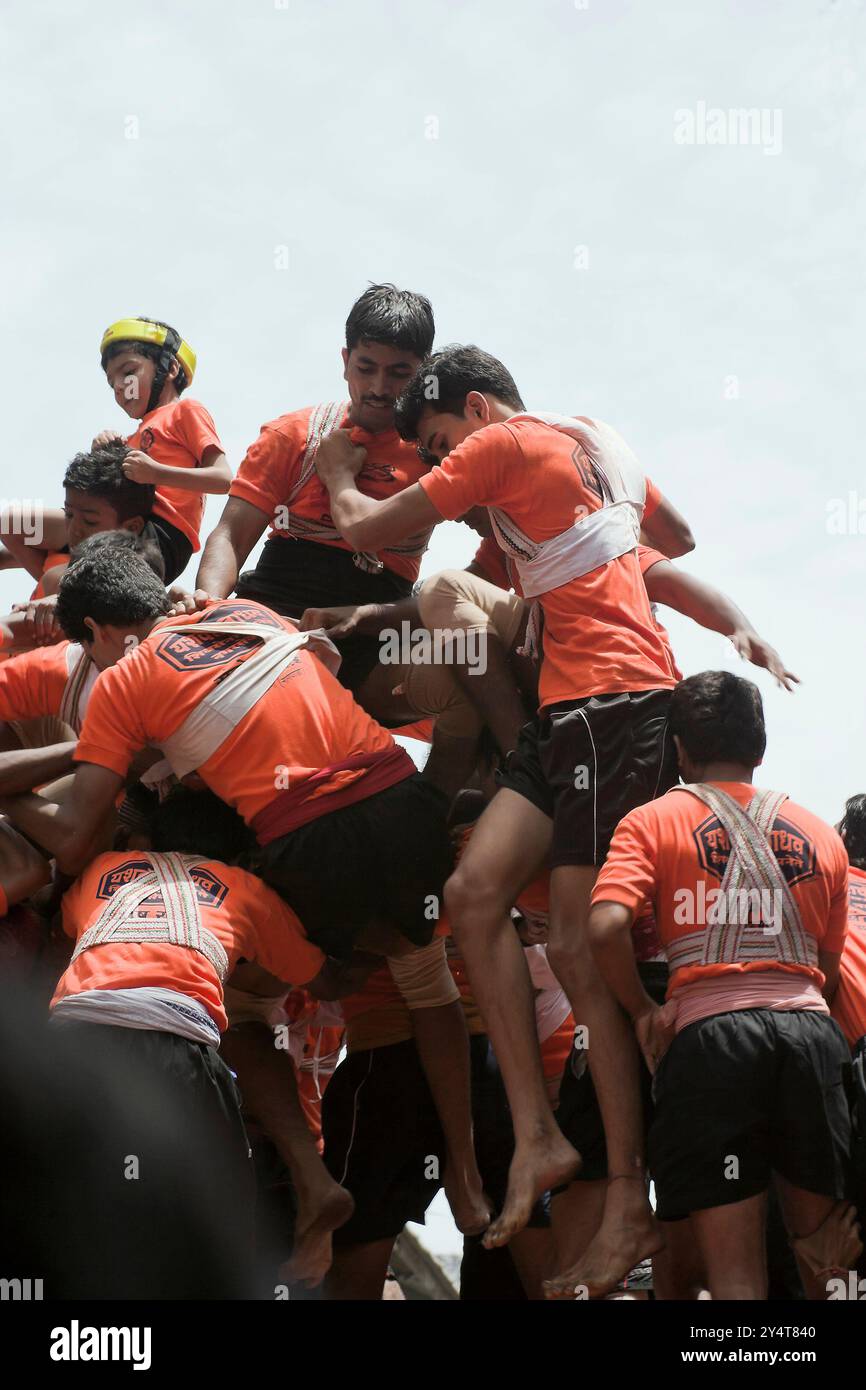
x=376, y=374
x=439, y=434
x=87, y=515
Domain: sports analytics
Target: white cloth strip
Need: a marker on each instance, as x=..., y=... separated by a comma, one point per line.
x=148, y=1008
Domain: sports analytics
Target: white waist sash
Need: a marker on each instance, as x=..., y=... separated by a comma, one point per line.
x=147, y=1008
x=207, y=727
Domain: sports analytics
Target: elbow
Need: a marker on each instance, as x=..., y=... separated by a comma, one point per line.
x=683, y=542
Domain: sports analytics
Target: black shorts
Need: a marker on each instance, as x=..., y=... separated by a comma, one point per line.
x=381, y=860
x=742, y=1095
x=293, y=575
x=384, y=1142
x=578, y=1114
x=858, y=1115
x=587, y=763
x=180, y=1225
x=175, y=547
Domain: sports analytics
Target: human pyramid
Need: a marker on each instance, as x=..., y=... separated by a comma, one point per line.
x=580, y=971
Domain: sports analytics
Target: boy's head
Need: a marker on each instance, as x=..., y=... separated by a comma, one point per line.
x=388, y=334
x=131, y=541
x=714, y=718
x=100, y=497
x=189, y=822
x=852, y=828
x=109, y=602
x=454, y=393
x=147, y=364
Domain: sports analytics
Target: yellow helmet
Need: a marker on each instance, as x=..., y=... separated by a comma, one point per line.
x=155, y=334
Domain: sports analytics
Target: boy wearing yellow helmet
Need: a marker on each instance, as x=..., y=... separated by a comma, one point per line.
x=175, y=448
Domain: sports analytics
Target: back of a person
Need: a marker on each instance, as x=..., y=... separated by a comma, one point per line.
x=693, y=852
x=599, y=633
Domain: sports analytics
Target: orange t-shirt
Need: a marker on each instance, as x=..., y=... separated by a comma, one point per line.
x=246, y=917
x=32, y=683
x=849, y=1002
x=272, y=466
x=672, y=853
x=646, y=558
x=599, y=633
x=178, y=435
x=304, y=722
x=53, y=559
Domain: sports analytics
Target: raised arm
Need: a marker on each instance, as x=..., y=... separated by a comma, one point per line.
x=712, y=609
x=362, y=521
x=69, y=832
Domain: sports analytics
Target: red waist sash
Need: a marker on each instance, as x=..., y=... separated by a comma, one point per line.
x=295, y=806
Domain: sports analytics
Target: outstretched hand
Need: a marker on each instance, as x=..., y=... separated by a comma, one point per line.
x=753, y=648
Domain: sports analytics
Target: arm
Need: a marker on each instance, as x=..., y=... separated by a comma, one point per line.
x=666, y=530
x=362, y=521
x=23, y=868
x=714, y=610
x=228, y=546
x=70, y=833
x=20, y=545
x=829, y=963
x=212, y=475
x=365, y=618
x=609, y=929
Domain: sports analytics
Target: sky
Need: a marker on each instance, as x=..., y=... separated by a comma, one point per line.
x=553, y=176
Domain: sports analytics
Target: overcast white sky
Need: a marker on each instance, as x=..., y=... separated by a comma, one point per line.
x=706, y=299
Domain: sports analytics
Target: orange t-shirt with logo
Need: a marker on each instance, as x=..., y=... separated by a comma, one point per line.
x=304, y=722
x=599, y=633
x=849, y=1001
x=672, y=853
x=177, y=435
x=246, y=917
x=272, y=467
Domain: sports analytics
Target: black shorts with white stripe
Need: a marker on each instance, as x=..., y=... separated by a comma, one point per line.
x=586, y=763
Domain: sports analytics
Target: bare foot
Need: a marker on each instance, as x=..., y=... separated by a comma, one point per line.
x=625, y=1237
x=535, y=1169
x=310, y=1259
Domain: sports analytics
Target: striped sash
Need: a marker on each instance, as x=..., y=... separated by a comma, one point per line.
x=752, y=868
x=169, y=877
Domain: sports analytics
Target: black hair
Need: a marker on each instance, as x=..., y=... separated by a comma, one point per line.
x=719, y=717
x=442, y=383
x=112, y=586
x=396, y=318
x=138, y=543
x=853, y=830
x=150, y=350
x=99, y=473
x=198, y=822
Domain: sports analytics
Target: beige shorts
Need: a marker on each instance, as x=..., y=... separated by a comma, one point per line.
x=453, y=601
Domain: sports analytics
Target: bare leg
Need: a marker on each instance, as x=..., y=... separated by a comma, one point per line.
x=678, y=1270
x=825, y=1231
x=732, y=1242
x=267, y=1080
x=494, y=694
x=531, y=1251
x=628, y=1232
x=358, y=1271
x=576, y=1216
x=507, y=847
x=443, y=1046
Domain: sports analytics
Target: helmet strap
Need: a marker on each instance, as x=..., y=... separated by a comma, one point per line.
x=163, y=366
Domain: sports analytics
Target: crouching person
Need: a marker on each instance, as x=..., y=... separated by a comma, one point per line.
x=156, y=935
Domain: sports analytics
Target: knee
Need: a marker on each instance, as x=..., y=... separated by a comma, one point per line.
x=567, y=951
x=472, y=903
